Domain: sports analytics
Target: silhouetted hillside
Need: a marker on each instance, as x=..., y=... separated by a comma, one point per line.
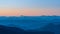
x=10, y=30
x=15, y=30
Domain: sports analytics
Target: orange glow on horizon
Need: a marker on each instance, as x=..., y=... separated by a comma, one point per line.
x=37, y=12
x=28, y=12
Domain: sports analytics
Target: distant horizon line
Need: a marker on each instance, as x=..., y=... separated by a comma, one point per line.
x=24, y=15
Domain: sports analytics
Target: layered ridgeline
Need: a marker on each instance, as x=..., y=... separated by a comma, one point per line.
x=33, y=24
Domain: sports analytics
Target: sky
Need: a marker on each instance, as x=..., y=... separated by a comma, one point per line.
x=29, y=7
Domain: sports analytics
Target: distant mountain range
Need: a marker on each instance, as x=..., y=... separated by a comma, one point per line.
x=31, y=24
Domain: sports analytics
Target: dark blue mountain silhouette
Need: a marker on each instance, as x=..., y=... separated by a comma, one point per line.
x=10, y=30
x=15, y=30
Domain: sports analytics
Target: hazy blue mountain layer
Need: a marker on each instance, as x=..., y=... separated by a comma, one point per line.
x=46, y=24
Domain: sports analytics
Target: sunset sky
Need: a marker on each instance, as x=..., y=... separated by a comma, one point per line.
x=29, y=7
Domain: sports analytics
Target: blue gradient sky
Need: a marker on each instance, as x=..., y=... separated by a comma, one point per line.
x=7, y=3
x=39, y=3
x=30, y=3
x=29, y=7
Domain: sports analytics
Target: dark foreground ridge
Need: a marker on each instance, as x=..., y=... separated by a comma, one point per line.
x=15, y=30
